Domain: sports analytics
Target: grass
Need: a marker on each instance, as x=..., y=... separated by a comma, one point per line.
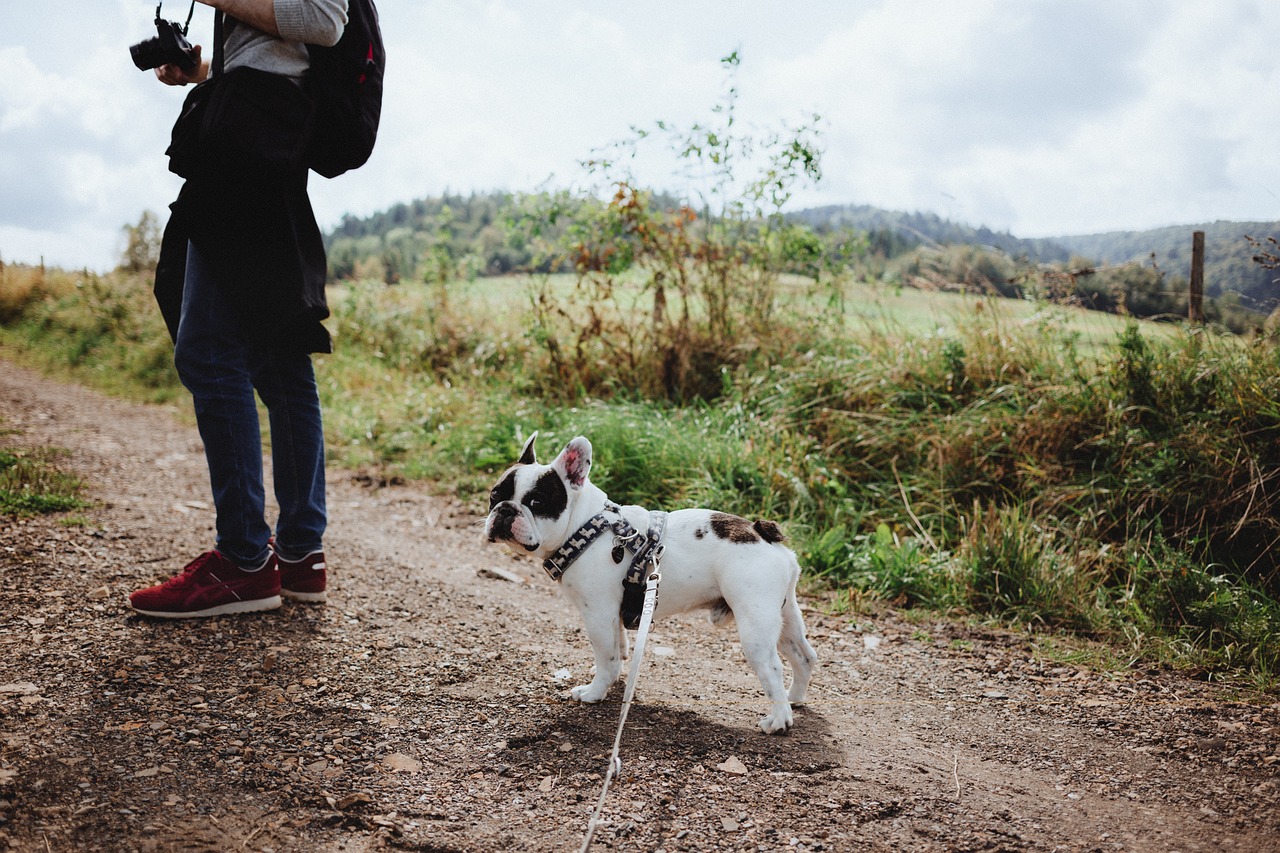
x=1068, y=472
x=31, y=483
x=104, y=330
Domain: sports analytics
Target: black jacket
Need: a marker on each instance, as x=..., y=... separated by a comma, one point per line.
x=261, y=238
x=251, y=221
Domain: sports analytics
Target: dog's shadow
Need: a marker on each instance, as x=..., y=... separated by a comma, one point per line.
x=579, y=738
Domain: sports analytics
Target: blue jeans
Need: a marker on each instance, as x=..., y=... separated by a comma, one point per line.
x=222, y=368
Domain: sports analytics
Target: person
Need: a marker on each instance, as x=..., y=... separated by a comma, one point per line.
x=240, y=283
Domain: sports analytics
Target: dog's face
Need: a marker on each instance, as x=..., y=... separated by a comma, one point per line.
x=532, y=504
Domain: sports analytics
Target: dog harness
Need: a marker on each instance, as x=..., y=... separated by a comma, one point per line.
x=646, y=551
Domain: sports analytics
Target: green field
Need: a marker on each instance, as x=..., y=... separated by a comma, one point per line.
x=1042, y=466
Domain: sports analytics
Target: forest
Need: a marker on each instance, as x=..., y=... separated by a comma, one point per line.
x=1137, y=273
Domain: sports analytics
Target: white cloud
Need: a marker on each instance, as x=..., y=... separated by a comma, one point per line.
x=1041, y=117
x=78, y=139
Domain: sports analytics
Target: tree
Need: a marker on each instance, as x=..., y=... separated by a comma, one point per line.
x=142, y=244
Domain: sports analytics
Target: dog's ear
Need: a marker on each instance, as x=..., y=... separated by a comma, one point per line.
x=574, y=462
x=528, y=456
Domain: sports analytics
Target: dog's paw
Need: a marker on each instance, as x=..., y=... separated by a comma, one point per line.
x=588, y=694
x=776, y=724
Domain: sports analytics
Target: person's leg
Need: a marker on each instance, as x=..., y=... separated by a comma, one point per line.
x=240, y=574
x=212, y=360
x=286, y=382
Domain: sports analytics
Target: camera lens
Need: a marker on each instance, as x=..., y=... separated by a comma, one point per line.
x=146, y=54
x=168, y=47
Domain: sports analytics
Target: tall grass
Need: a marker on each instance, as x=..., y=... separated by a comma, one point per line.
x=32, y=483
x=1018, y=465
x=106, y=327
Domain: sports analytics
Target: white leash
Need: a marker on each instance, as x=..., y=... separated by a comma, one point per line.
x=642, y=634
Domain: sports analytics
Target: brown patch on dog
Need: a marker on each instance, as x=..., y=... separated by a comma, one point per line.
x=733, y=528
x=769, y=531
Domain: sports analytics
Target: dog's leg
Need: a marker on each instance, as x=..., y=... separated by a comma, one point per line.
x=604, y=630
x=624, y=642
x=795, y=647
x=760, y=628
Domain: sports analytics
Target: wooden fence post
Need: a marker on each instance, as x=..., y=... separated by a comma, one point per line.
x=1195, y=299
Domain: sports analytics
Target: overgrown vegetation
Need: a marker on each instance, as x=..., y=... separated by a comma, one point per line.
x=106, y=326
x=1015, y=459
x=31, y=483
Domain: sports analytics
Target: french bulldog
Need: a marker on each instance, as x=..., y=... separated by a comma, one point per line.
x=732, y=567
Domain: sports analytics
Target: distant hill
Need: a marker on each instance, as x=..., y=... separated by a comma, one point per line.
x=1229, y=265
x=398, y=242
x=925, y=228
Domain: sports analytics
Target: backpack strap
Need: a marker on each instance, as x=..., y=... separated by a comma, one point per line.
x=219, y=48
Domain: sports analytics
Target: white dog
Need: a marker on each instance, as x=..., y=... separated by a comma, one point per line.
x=735, y=568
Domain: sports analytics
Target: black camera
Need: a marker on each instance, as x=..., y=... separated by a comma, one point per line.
x=169, y=47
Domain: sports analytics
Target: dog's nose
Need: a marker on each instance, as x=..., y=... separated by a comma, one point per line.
x=501, y=518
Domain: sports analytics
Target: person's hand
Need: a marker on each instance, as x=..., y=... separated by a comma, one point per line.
x=175, y=75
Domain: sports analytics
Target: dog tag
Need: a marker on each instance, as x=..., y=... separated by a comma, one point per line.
x=618, y=551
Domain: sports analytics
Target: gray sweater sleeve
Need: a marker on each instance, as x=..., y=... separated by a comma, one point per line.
x=301, y=22
x=311, y=21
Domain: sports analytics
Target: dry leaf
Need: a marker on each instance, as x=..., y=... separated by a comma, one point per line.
x=358, y=798
x=400, y=763
x=733, y=765
x=23, y=688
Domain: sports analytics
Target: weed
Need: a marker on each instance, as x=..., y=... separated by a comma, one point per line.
x=673, y=295
x=32, y=484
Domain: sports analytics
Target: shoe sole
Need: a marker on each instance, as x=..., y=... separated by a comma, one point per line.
x=255, y=606
x=308, y=597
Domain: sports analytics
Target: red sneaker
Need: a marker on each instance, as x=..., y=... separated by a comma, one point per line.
x=211, y=585
x=303, y=580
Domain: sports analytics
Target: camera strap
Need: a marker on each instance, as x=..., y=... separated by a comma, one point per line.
x=190, y=12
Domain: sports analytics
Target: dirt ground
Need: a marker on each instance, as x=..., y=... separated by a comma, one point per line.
x=424, y=707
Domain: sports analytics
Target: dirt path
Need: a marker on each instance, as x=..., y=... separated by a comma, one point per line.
x=423, y=708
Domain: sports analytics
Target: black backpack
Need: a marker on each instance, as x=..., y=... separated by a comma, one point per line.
x=346, y=82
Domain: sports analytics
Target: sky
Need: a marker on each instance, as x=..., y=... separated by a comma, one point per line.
x=1039, y=117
